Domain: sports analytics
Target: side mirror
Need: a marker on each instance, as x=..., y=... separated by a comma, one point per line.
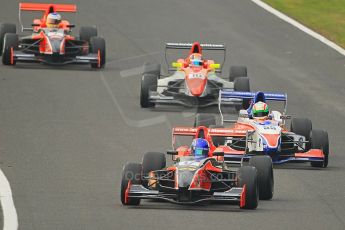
x=218, y=154
x=176, y=64
x=172, y=152
x=215, y=66
x=285, y=117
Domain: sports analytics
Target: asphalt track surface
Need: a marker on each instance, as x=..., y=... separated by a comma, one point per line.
x=65, y=133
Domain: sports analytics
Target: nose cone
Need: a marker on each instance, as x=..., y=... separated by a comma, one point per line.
x=185, y=178
x=272, y=140
x=196, y=86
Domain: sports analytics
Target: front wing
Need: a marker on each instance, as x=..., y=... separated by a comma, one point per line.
x=187, y=101
x=19, y=56
x=234, y=194
x=313, y=155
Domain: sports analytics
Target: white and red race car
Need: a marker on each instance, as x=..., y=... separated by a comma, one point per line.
x=193, y=83
x=247, y=137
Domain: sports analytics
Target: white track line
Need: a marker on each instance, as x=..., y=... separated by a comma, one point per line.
x=300, y=26
x=9, y=212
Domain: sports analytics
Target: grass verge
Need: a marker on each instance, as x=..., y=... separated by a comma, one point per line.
x=326, y=17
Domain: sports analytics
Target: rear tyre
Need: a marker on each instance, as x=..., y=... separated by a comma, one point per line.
x=237, y=71
x=4, y=29
x=97, y=46
x=242, y=84
x=319, y=140
x=131, y=172
x=217, y=141
x=247, y=175
x=10, y=45
x=148, y=83
x=87, y=32
x=153, y=161
x=152, y=68
x=264, y=166
x=204, y=120
x=303, y=127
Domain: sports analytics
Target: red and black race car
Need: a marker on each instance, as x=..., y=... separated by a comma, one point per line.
x=192, y=180
x=51, y=45
x=195, y=80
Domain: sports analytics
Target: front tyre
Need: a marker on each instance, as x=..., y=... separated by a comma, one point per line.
x=10, y=45
x=264, y=166
x=237, y=71
x=152, y=68
x=319, y=140
x=148, y=83
x=242, y=84
x=303, y=127
x=97, y=46
x=131, y=174
x=4, y=29
x=247, y=175
x=87, y=32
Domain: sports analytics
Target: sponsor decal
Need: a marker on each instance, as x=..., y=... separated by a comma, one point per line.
x=196, y=76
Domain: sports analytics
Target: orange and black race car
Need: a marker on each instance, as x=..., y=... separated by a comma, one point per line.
x=198, y=175
x=51, y=41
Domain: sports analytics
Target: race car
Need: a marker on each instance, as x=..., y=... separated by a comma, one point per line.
x=194, y=81
x=51, y=41
x=198, y=175
x=251, y=135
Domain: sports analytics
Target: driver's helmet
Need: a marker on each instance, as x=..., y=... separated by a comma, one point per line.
x=200, y=148
x=53, y=20
x=260, y=110
x=195, y=59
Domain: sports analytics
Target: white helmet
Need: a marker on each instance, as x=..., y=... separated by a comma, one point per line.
x=53, y=20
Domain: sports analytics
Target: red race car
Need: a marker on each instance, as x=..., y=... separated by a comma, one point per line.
x=195, y=80
x=198, y=175
x=51, y=40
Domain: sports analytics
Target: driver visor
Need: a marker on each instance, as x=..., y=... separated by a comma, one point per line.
x=200, y=151
x=53, y=21
x=196, y=62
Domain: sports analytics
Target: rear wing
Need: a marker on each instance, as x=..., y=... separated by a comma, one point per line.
x=187, y=46
x=46, y=8
x=226, y=96
x=203, y=132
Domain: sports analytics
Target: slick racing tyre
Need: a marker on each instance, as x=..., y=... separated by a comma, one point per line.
x=97, y=46
x=152, y=68
x=153, y=161
x=319, y=140
x=10, y=45
x=247, y=175
x=4, y=29
x=131, y=172
x=148, y=83
x=303, y=127
x=242, y=84
x=204, y=120
x=237, y=71
x=264, y=166
x=87, y=32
